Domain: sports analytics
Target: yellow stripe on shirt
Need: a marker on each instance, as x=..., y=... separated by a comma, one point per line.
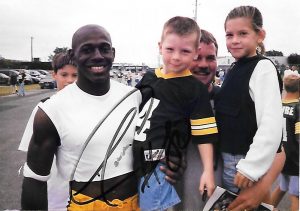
x=297, y=128
x=203, y=121
x=205, y=126
x=205, y=131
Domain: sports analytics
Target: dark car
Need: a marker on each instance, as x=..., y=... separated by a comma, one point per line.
x=9, y=72
x=47, y=83
x=4, y=79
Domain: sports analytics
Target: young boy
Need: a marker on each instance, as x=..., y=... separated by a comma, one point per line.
x=176, y=109
x=289, y=178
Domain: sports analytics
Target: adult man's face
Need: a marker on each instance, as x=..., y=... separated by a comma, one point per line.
x=93, y=53
x=204, y=68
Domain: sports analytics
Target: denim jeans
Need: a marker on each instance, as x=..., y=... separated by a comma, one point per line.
x=158, y=194
x=290, y=184
x=21, y=89
x=229, y=170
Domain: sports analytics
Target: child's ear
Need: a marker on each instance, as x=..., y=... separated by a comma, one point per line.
x=71, y=53
x=197, y=55
x=262, y=35
x=160, y=47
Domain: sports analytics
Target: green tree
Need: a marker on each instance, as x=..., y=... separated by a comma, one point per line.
x=57, y=50
x=273, y=53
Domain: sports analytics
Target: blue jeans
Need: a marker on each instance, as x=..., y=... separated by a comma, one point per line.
x=22, y=89
x=229, y=170
x=158, y=193
x=290, y=184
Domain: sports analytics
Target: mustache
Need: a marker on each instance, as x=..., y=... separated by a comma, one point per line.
x=204, y=70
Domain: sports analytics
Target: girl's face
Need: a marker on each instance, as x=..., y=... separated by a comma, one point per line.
x=177, y=51
x=241, y=39
x=65, y=76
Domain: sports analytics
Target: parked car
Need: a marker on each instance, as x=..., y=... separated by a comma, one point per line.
x=4, y=79
x=44, y=72
x=47, y=83
x=9, y=72
x=36, y=74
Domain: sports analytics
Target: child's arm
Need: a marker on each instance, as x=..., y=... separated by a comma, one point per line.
x=207, y=178
x=250, y=198
x=265, y=92
x=241, y=181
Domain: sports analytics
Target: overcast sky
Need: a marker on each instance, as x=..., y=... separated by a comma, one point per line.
x=135, y=25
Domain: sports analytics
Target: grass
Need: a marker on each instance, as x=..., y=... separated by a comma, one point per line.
x=7, y=90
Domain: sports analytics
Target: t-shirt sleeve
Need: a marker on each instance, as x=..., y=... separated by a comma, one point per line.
x=145, y=88
x=203, y=123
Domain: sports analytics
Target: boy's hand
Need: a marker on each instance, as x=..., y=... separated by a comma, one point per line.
x=241, y=181
x=178, y=166
x=207, y=182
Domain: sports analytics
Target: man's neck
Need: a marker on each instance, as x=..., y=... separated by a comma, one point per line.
x=97, y=89
x=291, y=96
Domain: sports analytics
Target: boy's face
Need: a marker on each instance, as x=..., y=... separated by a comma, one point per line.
x=65, y=76
x=178, y=52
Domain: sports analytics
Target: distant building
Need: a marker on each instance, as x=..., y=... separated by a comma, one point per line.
x=129, y=67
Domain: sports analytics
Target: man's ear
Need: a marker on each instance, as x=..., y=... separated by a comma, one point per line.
x=114, y=53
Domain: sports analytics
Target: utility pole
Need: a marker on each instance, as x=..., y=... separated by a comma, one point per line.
x=31, y=39
x=196, y=10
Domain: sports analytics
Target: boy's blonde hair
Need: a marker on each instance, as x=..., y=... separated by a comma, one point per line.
x=181, y=26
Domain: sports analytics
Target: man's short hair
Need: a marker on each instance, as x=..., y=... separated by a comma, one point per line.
x=291, y=83
x=208, y=38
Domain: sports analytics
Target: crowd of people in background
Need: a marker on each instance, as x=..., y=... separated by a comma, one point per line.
x=128, y=77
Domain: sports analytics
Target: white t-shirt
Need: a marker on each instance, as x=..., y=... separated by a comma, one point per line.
x=57, y=188
x=75, y=115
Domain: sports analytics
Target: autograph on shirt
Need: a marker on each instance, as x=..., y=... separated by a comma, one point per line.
x=173, y=144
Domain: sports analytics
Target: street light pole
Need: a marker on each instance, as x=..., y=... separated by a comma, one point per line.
x=31, y=38
x=196, y=10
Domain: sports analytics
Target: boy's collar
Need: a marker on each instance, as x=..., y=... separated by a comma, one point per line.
x=160, y=74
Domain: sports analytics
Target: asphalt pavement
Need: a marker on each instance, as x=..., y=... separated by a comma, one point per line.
x=14, y=113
